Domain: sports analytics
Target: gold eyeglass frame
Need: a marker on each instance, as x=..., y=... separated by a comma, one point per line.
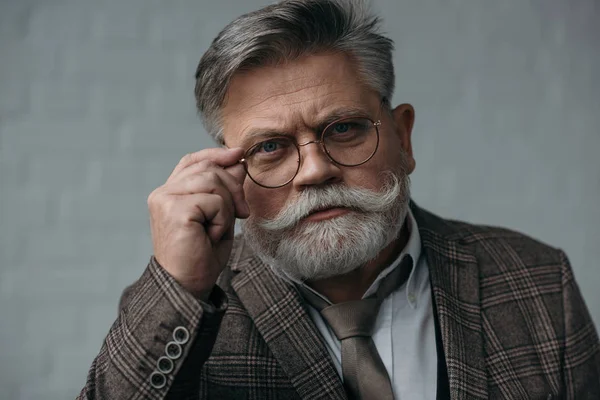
x=376, y=124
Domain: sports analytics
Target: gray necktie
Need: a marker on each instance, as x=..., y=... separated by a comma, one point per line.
x=365, y=376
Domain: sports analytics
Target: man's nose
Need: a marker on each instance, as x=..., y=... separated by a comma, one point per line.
x=316, y=167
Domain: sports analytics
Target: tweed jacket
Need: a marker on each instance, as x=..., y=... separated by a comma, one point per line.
x=513, y=326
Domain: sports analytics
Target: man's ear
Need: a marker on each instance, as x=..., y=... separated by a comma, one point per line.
x=404, y=119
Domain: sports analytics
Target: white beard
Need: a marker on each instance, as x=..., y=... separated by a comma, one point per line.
x=301, y=250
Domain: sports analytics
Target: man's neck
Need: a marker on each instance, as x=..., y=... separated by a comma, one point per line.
x=353, y=285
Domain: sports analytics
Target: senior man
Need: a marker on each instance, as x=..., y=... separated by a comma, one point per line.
x=339, y=286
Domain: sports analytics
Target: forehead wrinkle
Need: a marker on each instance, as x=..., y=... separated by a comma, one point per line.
x=309, y=117
x=313, y=105
x=292, y=93
x=280, y=119
x=271, y=125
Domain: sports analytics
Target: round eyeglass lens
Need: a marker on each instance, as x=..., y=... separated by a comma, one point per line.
x=351, y=141
x=273, y=162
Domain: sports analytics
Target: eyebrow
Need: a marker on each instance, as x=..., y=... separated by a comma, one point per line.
x=253, y=135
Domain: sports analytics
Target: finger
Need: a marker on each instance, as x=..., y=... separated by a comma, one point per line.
x=209, y=182
x=237, y=192
x=209, y=210
x=192, y=173
x=238, y=172
x=223, y=157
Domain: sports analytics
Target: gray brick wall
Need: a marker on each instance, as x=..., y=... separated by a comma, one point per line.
x=96, y=108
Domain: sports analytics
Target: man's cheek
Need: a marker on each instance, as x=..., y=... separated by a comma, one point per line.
x=264, y=206
x=367, y=178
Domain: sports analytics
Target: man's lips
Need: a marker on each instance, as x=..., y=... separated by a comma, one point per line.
x=327, y=213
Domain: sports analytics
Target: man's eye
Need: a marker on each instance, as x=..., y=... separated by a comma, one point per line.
x=268, y=146
x=342, y=127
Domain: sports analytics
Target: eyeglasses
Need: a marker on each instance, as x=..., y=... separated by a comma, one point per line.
x=275, y=162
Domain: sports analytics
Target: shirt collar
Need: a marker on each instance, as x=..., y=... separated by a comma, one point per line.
x=412, y=249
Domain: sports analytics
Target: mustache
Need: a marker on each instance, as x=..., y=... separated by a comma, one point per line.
x=314, y=199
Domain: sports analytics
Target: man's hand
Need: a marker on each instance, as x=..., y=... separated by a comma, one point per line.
x=192, y=217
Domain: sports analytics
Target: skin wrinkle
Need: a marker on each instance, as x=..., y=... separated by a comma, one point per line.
x=250, y=125
x=252, y=134
x=290, y=92
x=314, y=98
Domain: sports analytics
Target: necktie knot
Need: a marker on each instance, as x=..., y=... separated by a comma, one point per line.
x=352, y=318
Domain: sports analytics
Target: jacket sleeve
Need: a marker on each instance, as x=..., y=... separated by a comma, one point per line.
x=160, y=340
x=581, y=357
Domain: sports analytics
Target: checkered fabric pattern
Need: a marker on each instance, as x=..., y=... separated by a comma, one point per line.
x=513, y=325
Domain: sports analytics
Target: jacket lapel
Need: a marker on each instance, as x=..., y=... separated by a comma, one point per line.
x=454, y=275
x=281, y=318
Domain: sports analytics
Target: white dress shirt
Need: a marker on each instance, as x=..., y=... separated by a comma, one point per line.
x=404, y=333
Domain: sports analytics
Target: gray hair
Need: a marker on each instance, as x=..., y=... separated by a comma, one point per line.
x=286, y=31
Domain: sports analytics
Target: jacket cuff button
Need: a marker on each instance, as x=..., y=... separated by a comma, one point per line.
x=181, y=335
x=164, y=365
x=158, y=380
x=173, y=350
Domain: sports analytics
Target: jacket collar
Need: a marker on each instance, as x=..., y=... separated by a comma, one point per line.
x=281, y=317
